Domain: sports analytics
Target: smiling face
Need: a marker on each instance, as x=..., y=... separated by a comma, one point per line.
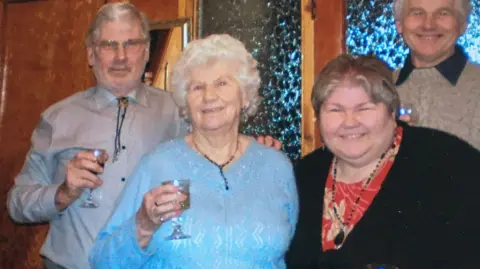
x=354, y=128
x=119, y=70
x=430, y=29
x=214, y=97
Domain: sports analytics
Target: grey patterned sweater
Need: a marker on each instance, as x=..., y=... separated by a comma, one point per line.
x=441, y=105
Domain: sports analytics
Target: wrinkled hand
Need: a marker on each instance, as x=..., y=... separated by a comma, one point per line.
x=159, y=205
x=269, y=141
x=81, y=174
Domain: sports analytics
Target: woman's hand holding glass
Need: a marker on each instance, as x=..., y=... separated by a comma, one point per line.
x=159, y=205
x=81, y=174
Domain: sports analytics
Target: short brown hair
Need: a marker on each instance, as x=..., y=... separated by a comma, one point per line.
x=368, y=72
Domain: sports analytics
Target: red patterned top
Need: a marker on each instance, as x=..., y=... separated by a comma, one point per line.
x=346, y=194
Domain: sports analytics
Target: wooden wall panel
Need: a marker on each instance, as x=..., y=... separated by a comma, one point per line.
x=324, y=37
x=156, y=9
x=330, y=27
x=45, y=62
x=308, y=74
x=43, y=54
x=2, y=60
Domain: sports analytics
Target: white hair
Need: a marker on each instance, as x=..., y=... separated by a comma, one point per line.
x=217, y=48
x=463, y=7
x=115, y=12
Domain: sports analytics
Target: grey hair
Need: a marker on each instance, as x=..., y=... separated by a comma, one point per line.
x=368, y=72
x=464, y=8
x=213, y=48
x=115, y=12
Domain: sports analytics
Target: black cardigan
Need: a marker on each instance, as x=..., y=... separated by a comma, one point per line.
x=424, y=216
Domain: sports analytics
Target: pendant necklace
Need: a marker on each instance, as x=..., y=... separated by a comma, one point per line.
x=340, y=237
x=219, y=166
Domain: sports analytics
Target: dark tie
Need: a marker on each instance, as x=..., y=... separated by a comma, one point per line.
x=122, y=103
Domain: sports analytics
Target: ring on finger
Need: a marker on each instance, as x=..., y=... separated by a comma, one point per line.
x=162, y=219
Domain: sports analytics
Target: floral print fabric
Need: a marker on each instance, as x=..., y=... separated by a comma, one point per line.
x=346, y=194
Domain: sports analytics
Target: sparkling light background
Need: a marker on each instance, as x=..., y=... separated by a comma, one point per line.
x=271, y=31
x=371, y=30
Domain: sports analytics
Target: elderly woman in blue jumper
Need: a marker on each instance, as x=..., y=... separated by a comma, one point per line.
x=243, y=207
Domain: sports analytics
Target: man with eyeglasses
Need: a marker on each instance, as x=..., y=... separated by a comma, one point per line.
x=62, y=181
x=120, y=115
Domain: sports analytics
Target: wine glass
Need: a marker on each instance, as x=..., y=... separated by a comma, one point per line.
x=101, y=158
x=183, y=188
x=408, y=109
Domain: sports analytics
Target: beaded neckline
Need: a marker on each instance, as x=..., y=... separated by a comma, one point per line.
x=339, y=239
x=219, y=166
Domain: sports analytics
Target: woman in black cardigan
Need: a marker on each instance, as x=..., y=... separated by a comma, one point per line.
x=382, y=192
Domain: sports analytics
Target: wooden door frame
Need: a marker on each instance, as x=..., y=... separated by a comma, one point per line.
x=3, y=62
x=189, y=9
x=323, y=37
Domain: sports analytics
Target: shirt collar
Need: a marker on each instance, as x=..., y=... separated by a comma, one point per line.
x=451, y=68
x=104, y=97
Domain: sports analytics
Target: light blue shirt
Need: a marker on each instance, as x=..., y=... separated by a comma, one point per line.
x=248, y=226
x=86, y=120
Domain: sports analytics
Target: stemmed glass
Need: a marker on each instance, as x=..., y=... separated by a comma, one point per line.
x=183, y=188
x=101, y=158
x=408, y=109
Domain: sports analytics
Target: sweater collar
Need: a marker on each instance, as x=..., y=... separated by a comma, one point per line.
x=451, y=68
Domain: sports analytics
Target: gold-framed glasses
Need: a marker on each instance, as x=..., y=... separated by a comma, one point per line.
x=130, y=46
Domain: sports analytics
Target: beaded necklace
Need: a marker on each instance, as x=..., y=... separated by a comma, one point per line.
x=219, y=166
x=340, y=237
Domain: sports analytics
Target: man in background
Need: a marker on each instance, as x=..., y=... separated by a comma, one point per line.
x=437, y=82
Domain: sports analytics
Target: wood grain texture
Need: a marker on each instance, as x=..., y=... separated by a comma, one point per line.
x=330, y=27
x=45, y=62
x=325, y=39
x=190, y=10
x=156, y=9
x=2, y=65
x=308, y=74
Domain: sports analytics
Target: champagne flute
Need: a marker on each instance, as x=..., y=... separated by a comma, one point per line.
x=183, y=188
x=101, y=158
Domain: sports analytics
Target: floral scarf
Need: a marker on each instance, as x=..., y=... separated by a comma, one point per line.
x=346, y=194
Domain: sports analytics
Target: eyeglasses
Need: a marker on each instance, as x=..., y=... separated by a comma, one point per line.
x=130, y=46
